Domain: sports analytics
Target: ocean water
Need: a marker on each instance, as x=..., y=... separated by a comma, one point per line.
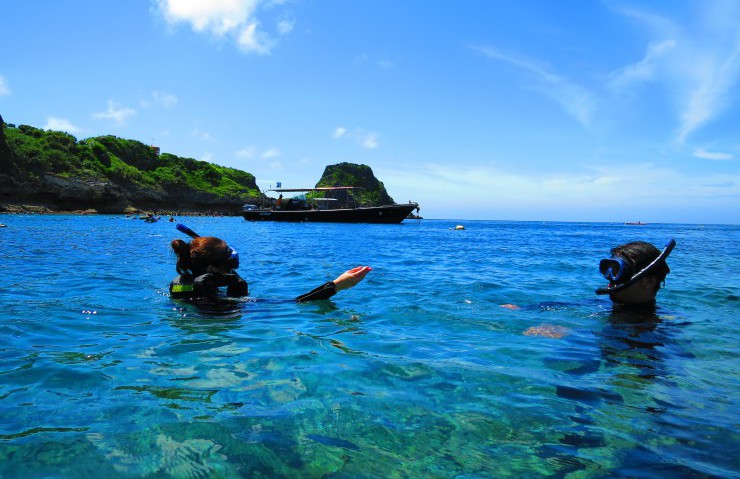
x=416, y=372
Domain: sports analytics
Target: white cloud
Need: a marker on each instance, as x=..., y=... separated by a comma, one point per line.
x=713, y=155
x=61, y=124
x=202, y=135
x=235, y=19
x=574, y=99
x=365, y=139
x=159, y=98
x=285, y=25
x=370, y=141
x=252, y=40
x=166, y=100
x=4, y=89
x=702, y=69
x=216, y=16
x=115, y=112
x=496, y=191
x=386, y=64
x=644, y=70
x=711, y=90
x=247, y=152
x=251, y=151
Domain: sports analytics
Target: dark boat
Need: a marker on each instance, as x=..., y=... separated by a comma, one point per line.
x=327, y=210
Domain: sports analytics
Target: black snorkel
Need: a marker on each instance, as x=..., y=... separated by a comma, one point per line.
x=181, y=227
x=613, y=288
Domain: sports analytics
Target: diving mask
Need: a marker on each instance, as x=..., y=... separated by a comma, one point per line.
x=620, y=271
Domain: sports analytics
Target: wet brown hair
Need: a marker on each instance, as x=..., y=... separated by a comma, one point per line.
x=642, y=254
x=204, y=251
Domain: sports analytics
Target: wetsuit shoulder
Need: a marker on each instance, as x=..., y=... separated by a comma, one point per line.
x=182, y=286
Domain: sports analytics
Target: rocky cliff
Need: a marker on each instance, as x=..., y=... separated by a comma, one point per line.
x=373, y=191
x=52, y=171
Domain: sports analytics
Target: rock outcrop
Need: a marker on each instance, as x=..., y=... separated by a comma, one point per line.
x=56, y=193
x=373, y=191
x=52, y=171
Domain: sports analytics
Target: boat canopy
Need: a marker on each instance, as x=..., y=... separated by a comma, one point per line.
x=325, y=188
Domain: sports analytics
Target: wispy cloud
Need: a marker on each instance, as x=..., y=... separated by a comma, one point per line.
x=247, y=153
x=61, y=124
x=702, y=69
x=285, y=25
x=115, y=112
x=160, y=98
x=234, y=19
x=712, y=89
x=588, y=189
x=369, y=141
x=203, y=135
x=4, y=88
x=382, y=63
x=250, y=152
x=713, y=155
x=365, y=139
x=252, y=40
x=642, y=71
x=386, y=64
x=577, y=101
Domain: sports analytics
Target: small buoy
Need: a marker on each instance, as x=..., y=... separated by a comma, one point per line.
x=3, y=226
x=459, y=227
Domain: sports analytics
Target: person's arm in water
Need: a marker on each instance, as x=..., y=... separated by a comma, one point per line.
x=345, y=280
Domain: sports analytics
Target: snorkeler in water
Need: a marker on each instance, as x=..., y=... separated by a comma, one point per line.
x=635, y=273
x=207, y=264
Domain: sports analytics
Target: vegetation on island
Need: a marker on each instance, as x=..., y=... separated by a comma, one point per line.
x=372, y=192
x=108, y=174
x=36, y=162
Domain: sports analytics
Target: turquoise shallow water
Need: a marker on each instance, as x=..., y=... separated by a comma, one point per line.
x=416, y=372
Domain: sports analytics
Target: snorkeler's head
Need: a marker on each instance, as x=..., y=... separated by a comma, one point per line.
x=631, y=263
x=205, y=254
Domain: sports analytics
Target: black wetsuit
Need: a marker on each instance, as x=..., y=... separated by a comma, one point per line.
x=205, y=287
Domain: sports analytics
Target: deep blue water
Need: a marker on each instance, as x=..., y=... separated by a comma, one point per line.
x=416, y=372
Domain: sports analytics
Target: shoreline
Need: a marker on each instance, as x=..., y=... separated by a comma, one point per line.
x=26, y=209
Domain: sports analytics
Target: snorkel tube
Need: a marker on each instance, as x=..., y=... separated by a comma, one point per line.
x=640, y=274
x=181, y=227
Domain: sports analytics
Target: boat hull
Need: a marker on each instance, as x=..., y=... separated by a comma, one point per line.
x=388, y=214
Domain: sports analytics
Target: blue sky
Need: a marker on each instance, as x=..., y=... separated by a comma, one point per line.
x=511, y=110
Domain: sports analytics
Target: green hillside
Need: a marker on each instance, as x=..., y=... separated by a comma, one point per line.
x=373, y=191
x=111, y=173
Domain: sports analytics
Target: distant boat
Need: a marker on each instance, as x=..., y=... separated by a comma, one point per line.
x=327, y=210
x=635, y=223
